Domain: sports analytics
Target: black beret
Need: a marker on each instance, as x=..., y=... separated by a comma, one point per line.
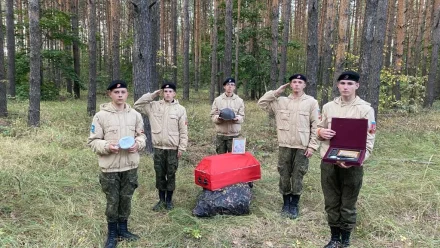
x=298, y=76
x=168, y=86
x=229, y=80
x=116, y=84
x=349, y=75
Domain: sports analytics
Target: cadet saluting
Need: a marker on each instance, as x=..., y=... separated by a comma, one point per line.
x=169, y=133
x=296, y=118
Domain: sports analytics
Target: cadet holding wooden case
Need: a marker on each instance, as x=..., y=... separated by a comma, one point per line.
x=341, y=180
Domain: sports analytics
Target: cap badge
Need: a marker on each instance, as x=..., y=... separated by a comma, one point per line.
x=118, y=85
x=346, y=77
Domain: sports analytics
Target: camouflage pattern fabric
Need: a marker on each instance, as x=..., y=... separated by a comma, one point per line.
x=341, y=190
x=292, y=166
x=230, y=200
x=118, y=188
x=165, y=165
x=223, y=144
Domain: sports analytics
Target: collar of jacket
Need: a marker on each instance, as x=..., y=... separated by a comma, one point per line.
x=234, y=96
x=175, y=101
x=302, y=97
x=357, y=101
x=110, y=108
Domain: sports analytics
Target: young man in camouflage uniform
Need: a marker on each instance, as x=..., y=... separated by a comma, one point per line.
x=341, y=183
x=118, y=176
x=296, y=118
x=169, y=133
x=227, y=130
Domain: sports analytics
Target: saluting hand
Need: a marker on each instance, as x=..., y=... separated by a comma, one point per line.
x=281, y=89
x=157, y=93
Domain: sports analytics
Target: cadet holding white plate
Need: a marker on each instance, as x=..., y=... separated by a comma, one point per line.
x=113, y=128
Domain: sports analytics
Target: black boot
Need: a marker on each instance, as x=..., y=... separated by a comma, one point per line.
x=293, y=208
x=112, y=233
x=169, y=200
x=345, y=238
x=123, y=232
x=161, y=204
x=286, y=202
x=335, y=241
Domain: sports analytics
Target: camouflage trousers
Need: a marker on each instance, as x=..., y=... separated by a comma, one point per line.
x=292, y=166
x=118, y=188
x=223, y=144
x=165, y=165
x=341, y=190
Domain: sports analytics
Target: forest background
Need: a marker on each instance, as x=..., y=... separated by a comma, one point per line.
x=59, y=53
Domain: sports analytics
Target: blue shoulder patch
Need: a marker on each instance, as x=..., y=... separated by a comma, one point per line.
x=92, y=128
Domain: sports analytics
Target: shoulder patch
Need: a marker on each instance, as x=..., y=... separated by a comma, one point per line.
x=92, y=128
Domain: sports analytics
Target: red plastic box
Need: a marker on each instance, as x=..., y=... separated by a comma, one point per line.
x=218, y=171
x=351, y=135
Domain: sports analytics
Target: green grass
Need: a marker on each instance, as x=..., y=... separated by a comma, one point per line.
x=51, y=197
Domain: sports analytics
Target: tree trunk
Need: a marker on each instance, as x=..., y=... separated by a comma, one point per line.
x=185, y=50
x=366, y=47
x=107, y=36
x=427, y=37
x=312, y=47
x=432, y=77
x=116, y=29
x=400, y=38
x=163, y=40
x=10, y=36
x=237, y=40
x=91, y=98
x=342, y=44
x=76, y=58
x=174, y=36
x=410, y=32
x=154, y=22
x=197, y=45
x=419, y=40
x=286, y=22
x=142, y=50
x=377, y=54
x=35, y=63
x=328, y=51
x=68, y=50
x=274, y=46
x=214, y=42
x=227, y=65
x=390, y=31
x=3, y=98
x=357, y=27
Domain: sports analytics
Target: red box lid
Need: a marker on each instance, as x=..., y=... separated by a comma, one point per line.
x=218, y=164
x=350, y=133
